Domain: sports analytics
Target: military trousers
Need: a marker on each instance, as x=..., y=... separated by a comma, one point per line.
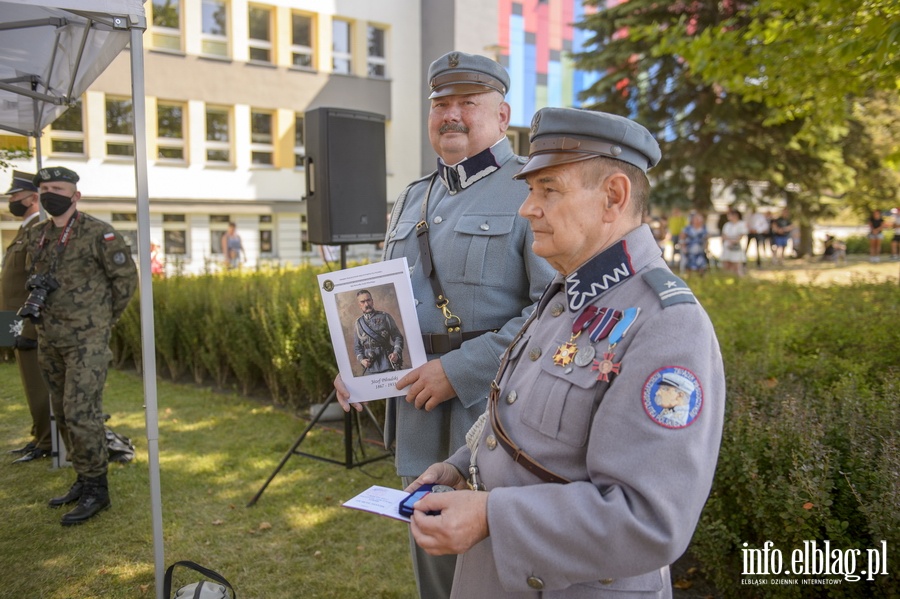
x=37, y=395
x=75, y=377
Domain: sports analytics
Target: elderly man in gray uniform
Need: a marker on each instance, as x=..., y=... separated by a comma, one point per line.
x=474, y=276
x=583, y=488
x=82, y=278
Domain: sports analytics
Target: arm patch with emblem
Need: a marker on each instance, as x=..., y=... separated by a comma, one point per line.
x=670, y=288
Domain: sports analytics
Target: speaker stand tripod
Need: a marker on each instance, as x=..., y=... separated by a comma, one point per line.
x=351, y=420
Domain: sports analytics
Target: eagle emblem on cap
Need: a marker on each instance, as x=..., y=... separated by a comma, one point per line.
x=453, y=60
x=535, y=121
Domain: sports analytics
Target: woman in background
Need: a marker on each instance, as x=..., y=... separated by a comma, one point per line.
x=694, y=239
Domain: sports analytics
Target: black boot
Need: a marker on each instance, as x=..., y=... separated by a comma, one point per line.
x=72, y=496
x=94, y=499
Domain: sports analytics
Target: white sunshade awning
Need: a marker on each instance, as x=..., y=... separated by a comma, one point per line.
x=50, y=52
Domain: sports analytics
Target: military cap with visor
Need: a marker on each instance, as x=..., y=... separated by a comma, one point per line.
x=566, y=135
x=21, y=182
x=55, y=173
x=460, y=74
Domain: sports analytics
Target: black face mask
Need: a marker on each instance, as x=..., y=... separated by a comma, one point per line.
x=18, y=209
x=55, y=204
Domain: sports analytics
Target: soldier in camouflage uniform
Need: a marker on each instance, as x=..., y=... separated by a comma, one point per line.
x=379, y=344
x=88, y=277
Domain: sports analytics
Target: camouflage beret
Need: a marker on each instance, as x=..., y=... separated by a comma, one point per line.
x=56, y=173
x=564, y=135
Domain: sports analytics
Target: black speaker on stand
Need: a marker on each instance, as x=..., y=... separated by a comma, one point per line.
x=346, y=177
x=346, y=203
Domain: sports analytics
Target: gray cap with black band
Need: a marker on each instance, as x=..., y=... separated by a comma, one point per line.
x=565, y=135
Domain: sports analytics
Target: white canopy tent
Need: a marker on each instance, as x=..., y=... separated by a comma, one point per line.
x=50, y=52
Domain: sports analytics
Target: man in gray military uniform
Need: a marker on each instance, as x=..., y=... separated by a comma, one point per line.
x=474, y=276
x=81, y=279
x=23, y=203
x=378, y=343
x=591, y=491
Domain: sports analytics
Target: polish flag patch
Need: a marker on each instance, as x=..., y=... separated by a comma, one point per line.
x=109, y=236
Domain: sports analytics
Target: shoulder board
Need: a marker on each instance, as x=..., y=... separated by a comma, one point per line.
x=670, y=288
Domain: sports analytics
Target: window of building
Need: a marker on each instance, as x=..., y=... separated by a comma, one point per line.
x=170, y=131
x=218, y=135
x=214, y=37
x=119, y=127
x=165, y=33
x=262, y=146
x=266, y=235
x=340, y=50
x=260, y=34
x=299, y=142
x=377, y=57
x=175, y=235
x=218, y=227
x=67, y=131
x=126, y=224
x=302, y=41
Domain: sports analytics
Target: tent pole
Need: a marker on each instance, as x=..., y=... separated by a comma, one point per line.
x=148, y=345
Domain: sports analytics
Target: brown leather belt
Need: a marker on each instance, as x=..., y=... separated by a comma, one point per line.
x=519, y=457
x=442, y=343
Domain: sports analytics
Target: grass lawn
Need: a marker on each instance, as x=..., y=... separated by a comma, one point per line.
x=216, y=450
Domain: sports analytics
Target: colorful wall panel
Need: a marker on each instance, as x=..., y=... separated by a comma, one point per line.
x=535, y=38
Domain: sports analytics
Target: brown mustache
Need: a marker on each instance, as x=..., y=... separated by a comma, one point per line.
x=454, y=127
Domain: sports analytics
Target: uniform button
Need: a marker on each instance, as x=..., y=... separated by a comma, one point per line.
x=535, y=583
x=438, y=220
x=491, y=442
x=557, y=309
x=534, y=354
x=607, y=580
x=394, y=233
x=485, y=227
x=511, y=398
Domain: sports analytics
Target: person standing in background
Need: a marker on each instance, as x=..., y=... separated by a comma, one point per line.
x=733, y=232
x=758, y=227
x=232, y=248
x=895, y=241
x=876, y=234
x=24, y=204
x=677, y=222
x=694, y=245
x=781, y=233
x=82, y=277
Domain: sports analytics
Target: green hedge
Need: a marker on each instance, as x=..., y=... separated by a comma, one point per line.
x=811, y=444
x=259, y=331
x=859, y=244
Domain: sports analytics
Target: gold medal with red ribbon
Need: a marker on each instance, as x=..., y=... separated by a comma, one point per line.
x=566, y=352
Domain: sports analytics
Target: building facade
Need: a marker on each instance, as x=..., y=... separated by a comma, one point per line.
x=228, y=83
